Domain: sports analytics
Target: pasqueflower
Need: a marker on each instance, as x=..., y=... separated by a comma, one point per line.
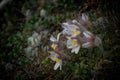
x=71, y=29
x=54, y=41
x=73, y=44
x=55, y=57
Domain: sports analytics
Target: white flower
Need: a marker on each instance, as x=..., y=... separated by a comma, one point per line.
x=71, y=29
x=73, y=44
x=54, y=40
x=57, y=65
x=55, y=57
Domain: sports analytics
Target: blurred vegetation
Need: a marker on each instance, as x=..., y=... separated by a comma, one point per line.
x=19, y=18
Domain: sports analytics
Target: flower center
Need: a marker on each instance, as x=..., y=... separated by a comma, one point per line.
x=57, y=59
x=75, y=32
x=74, y=42
x=53, y=46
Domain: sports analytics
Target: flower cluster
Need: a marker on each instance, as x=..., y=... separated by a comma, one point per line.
x=77, y=36
x=33, y=43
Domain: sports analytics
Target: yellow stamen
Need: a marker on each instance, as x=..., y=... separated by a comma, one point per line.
x=57, y=59
x=74, y=42
x=75, y=32
x=53, y=46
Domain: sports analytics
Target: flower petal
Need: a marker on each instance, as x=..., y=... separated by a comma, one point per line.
x=87, y=44
x=84, y=17
x=76, y=49
x=69, y=44
x=53, y=39
x=53, y=55
x=87, y=34
x=74, y=21
x=65, y=25
x=58, y=36
x=57, y=65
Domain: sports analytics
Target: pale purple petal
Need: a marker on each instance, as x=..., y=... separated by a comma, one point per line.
x=84, y=17
x=87, y=34
x=86, y=45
